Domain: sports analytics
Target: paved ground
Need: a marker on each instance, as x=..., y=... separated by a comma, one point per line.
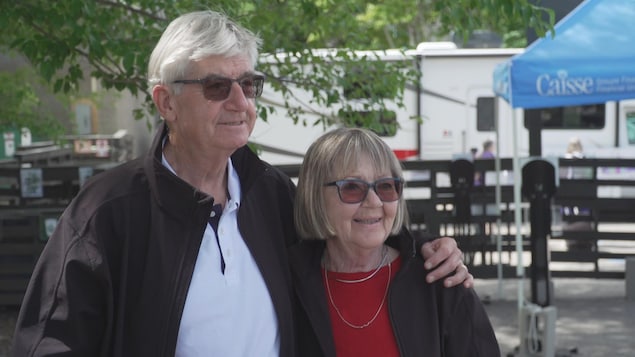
x=594, y=318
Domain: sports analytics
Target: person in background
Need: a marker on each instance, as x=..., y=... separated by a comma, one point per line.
x=487, y=153
x=574, y=149
x=488, y=150
x=577, y=219
x=356, y=270
x=182, y=252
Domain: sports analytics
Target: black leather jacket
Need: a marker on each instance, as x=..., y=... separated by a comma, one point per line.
x=113, y=278
x=428, y=319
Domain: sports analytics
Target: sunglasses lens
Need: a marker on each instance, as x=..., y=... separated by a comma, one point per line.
x=252, y=86
x=353, y=191
x=217, y=88
x=388, y=190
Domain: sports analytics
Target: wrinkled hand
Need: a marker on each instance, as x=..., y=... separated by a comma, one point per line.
x=445, y=257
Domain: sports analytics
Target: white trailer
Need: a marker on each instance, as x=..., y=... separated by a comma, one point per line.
x=455, y=100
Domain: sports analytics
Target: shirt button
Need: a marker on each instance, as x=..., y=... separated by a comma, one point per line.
x=213, y=214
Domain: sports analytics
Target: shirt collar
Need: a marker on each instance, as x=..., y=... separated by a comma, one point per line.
x=233, y=186
x=233, y=181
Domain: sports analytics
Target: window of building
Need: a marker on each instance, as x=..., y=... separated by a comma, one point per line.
x=485, y=120
x=630, y=127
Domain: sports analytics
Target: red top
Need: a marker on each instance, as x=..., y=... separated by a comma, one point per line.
x=358, y=303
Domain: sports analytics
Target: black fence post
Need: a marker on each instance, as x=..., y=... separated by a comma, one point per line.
x=539, y=186
x=462, y=180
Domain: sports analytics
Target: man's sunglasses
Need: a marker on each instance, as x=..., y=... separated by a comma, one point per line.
x=218, y=88
x=355, y=190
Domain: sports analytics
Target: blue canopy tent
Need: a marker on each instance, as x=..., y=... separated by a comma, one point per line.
x=589, y=60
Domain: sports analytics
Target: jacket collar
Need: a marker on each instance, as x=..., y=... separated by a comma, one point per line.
x=305, y=260
x=169, y=190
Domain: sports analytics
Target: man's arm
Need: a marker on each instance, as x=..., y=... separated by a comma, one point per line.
x=62, y=310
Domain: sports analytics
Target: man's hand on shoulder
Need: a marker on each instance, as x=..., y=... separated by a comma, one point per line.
x=443, y=257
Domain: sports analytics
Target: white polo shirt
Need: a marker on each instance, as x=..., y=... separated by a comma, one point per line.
x=228, y=314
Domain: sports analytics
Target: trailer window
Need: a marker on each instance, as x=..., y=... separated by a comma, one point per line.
x=571, y=117
x=383, y=123
x=630, y=127
x=485, y=114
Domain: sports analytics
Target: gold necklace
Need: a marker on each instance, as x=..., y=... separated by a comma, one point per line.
x=383, y=300
x=371, y=275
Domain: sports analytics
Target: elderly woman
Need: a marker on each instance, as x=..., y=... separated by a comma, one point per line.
x=358, y=279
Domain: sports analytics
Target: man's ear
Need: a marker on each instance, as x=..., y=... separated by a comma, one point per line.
x=162, y=97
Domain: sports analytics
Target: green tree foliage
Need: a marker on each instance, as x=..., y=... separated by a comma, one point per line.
x=20, y=106
x=115, y=38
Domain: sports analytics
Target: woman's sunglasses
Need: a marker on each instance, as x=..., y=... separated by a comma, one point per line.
x=355, y=190
x=218, y=88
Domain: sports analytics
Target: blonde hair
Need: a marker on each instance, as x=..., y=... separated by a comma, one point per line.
x=575, y=146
